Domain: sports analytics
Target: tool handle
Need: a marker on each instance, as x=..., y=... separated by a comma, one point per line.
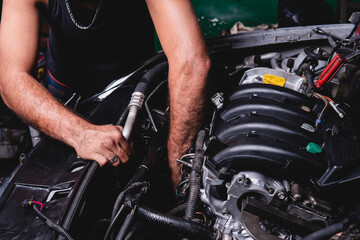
x=330, y=71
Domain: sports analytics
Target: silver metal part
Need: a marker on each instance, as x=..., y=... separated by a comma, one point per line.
x=135, y=105
x=256, y=75
x=228, y=222
x=341, y=115
x=218, y=100
x=281, y=35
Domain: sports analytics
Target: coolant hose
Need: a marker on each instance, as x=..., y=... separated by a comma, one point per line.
x=186, y=227
x=195, y=176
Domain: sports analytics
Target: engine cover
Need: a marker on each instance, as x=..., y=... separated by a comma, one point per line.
x=272, y=127
x=268, y=126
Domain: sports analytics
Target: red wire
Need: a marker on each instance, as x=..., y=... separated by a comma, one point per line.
x=39, y=203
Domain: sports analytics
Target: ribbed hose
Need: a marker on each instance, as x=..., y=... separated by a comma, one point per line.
x=195, y=176
x=185, y=227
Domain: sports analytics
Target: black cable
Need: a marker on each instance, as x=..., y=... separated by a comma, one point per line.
x=125, y=226
x=353, y=30
x=147, y=106
x=51, y=224
x=327, y=231
x=135, y=199
x=112, y=223
x=332, y=53
x=122, y=118
x=120, y=197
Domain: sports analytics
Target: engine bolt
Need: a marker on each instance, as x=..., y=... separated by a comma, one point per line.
x=271, y=190
x=240, y=179
x=223, y=170
x=247, y=180
x=228, y=185
x=225, y=211
x=281, y=195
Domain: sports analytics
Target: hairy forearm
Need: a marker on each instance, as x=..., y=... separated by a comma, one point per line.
x=187, y=98
x=32, y=102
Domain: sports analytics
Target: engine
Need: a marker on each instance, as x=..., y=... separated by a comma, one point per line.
x=275, y=152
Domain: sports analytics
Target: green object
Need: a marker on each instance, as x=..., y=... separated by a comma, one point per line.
x=215, y=15
x=313, y=148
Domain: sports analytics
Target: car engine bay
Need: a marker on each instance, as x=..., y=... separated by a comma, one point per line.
x=277, y=156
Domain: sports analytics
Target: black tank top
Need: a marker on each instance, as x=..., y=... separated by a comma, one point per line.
x=87, y=60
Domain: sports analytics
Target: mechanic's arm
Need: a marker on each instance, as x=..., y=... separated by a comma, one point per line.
x=183, y=44
x=32, y=102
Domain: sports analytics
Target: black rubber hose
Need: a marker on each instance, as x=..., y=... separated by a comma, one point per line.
x=178, y=210
x=195, y=176
x=185, y=227
x=52, y=225
x=310, y=80
x=327, y=231
x=151, y=74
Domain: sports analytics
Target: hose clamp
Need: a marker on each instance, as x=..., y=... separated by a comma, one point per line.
x=137, y=99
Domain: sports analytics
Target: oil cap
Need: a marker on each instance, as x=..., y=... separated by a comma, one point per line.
x=313, y=148
x=274, y=80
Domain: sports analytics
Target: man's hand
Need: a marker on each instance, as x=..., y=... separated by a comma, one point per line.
x=101, y=143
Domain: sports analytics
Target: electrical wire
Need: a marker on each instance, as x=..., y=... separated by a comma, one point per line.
x=111, y=226
x=117, y=213
x=56, y=227
x=329, y=99
x=125, y=226
x=325, y=100
x=120, y=197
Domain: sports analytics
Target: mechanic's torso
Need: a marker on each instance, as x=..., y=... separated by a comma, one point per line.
x=86, y=52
